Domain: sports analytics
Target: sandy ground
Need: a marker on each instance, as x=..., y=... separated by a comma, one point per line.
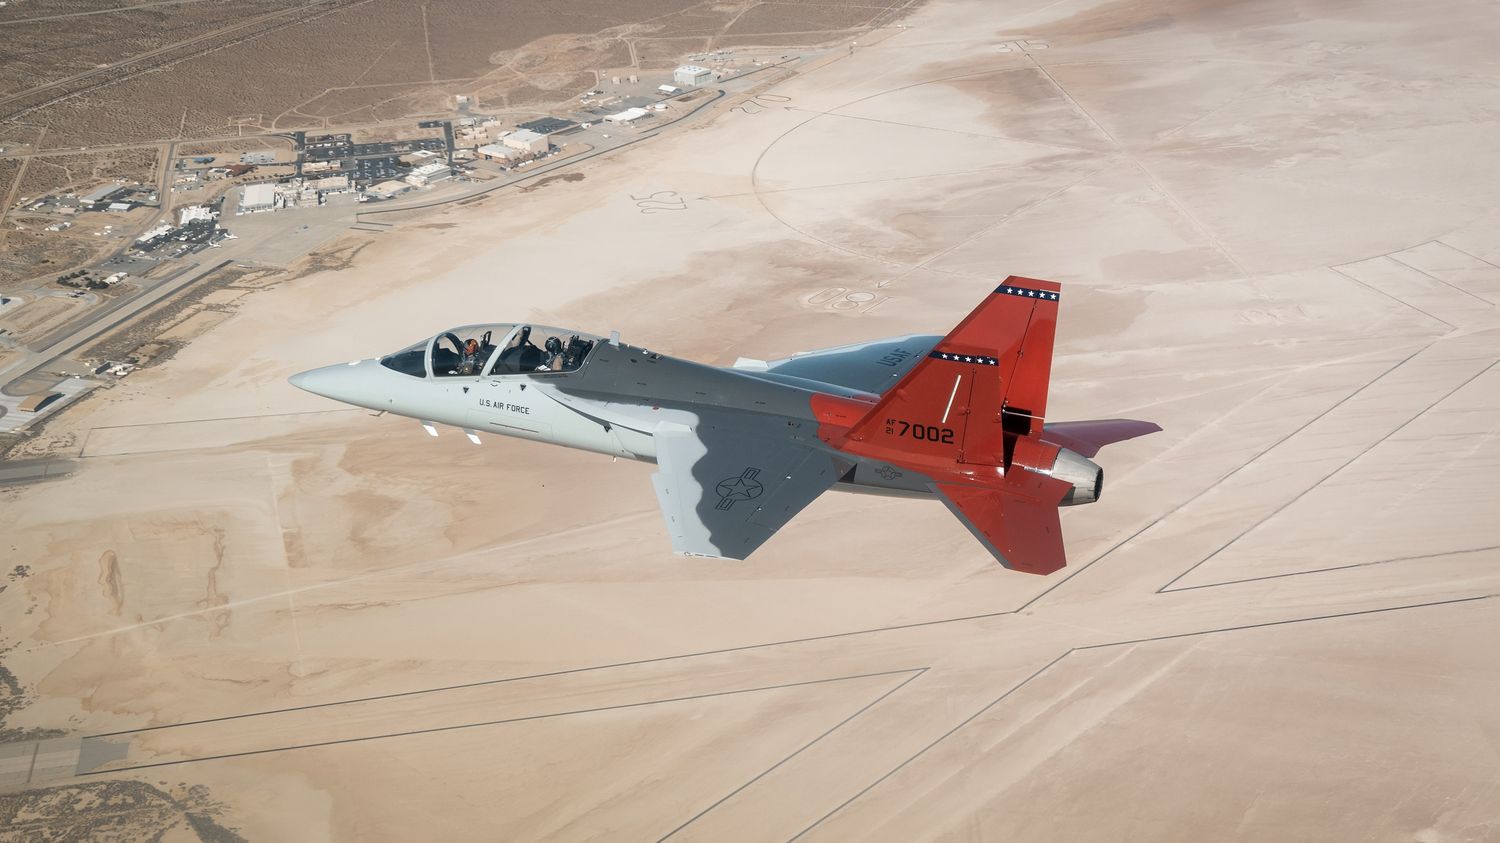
x=1276, y=227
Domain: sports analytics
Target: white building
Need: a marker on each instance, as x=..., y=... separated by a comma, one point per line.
x=629, y=115
x=691, y=75
x=669, y=89
x=193, y=213
x=498, y=152
x=527, y=141
x=258, y=197
x=429, y=173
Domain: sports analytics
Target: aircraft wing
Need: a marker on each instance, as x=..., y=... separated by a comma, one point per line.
x=726, y=485
x=868, y=367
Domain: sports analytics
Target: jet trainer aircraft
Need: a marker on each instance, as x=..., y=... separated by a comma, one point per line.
x=741, y=450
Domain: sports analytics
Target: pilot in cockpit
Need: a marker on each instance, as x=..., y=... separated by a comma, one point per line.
x=471, y=359
x=555, y=357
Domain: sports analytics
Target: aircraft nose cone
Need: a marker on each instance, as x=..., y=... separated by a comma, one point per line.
x=328, y=381
x=308, y=381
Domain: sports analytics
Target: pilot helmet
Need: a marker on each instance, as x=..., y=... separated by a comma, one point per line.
x=554, y=345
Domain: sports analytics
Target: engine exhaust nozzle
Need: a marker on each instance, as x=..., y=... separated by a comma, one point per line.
x=1085, y=475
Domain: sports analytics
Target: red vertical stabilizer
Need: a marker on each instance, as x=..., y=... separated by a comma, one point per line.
x=969, y=418
x=981, y=387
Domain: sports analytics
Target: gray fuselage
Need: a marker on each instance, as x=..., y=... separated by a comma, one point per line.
x=613, y=403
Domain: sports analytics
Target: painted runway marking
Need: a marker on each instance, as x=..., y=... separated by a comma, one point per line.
x=659, y=201
x=845, y=300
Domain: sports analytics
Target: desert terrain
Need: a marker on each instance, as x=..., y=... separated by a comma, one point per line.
x=255, y=614
x=92, y=93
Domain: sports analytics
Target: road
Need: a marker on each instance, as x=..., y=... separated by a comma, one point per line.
x=31, y=471
x=94, y=325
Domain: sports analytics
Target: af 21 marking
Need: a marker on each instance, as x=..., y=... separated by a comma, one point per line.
x=922, y=432
x=506, y=406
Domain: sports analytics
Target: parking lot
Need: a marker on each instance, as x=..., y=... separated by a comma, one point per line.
x=191, y=237
x=368, y=163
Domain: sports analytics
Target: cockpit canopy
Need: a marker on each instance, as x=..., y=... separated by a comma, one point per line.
x=494, y=350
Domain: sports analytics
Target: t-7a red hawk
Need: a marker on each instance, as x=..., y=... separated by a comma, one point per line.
x=741, y=450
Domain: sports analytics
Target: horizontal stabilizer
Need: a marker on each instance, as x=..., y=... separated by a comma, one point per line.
x=1019, y=526
x=1087, y=437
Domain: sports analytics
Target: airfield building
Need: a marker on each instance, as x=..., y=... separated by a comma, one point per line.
x=691, y=75
x=526, y=141
x=36, y=402
x=193, y=213
x=257, y=198
x=102, y=198
x=331, y=184
x=97, y=195
x=428, y=174
x=629, y=115
x=498, y=152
